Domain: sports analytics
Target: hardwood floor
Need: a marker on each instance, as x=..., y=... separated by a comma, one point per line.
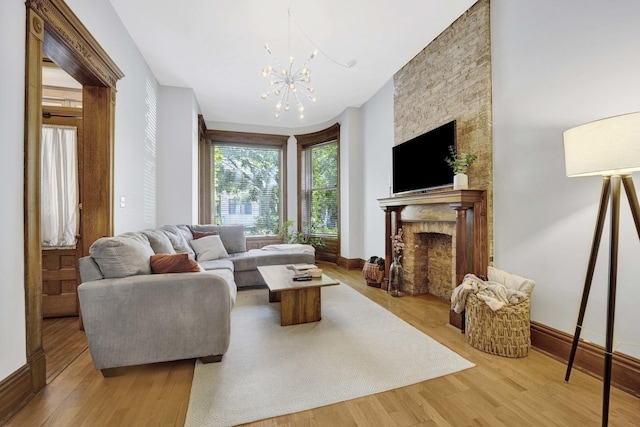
x=63, y=342
x=498, y=392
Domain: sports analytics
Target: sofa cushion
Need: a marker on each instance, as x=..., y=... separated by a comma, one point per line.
x=185, y=231
x=122, y=256
x=208, y=248
x=173, y=263
x=176, y=237
x=217, y=264
x=254, y=258
x=232, y=236
x=159, y=242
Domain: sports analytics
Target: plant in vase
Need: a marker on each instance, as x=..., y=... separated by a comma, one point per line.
x=396, y=274
x=460, y=163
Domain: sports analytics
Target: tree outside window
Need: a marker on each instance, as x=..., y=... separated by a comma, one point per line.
x=320, y=197
x=247, y=188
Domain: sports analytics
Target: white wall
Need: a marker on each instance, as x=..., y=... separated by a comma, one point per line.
x=177, y=163
x=557, y=65
x=377, y=141
x=136, y=117
x=351, y=196
x=12, y=315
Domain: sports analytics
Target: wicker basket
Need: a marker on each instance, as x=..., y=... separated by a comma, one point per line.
x=503, y=332
x=374, y=275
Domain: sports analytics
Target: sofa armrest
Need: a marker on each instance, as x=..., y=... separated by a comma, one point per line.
x=157, y=317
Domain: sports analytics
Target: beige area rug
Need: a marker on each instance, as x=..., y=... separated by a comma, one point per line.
x=357, y=349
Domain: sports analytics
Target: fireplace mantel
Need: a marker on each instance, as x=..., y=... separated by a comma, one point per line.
x=469, y=214
x=470, y=217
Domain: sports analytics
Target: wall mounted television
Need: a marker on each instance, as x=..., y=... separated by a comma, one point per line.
x=418, y=164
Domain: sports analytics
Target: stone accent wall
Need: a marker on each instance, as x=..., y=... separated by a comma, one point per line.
x=451, y=79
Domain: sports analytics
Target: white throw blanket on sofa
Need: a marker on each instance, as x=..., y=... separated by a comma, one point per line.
x=496, y=295
x=294, y=247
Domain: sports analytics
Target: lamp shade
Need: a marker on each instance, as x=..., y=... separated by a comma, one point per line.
x=609, y=146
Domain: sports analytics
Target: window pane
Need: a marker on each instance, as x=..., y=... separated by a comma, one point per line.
x=325, y=165
x=247, y=188
x=320, y=189
x=324, y=212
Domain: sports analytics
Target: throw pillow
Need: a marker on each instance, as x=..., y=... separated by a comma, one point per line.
x=173, y=263
x=232, y=236
x=200, y=234
x=209, y=248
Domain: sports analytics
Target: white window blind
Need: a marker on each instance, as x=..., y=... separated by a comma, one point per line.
x=247, y=188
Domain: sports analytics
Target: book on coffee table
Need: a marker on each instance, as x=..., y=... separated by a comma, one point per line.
x=300, y=267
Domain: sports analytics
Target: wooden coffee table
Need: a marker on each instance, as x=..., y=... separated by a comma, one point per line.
x=299, y=300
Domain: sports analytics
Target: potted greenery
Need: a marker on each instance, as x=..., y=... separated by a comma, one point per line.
x=460, y=163
x=290, y=235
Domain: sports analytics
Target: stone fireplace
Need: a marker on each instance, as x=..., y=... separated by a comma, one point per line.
x=445, y=236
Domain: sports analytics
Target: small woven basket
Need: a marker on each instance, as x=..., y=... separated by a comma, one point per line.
x=374, y=275
x=505, y=332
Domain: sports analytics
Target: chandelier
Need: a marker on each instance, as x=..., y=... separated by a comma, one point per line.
x=288, y=84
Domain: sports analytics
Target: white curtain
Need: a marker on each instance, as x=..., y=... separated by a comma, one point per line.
x=59, y=186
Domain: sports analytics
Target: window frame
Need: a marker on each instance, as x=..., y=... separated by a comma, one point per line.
x=213, y=138
x=305, y=142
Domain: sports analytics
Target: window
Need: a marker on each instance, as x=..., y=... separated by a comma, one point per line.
x=245, y=185
x=319, y=182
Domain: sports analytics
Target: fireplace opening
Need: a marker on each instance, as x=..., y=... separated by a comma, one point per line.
x=430, y=265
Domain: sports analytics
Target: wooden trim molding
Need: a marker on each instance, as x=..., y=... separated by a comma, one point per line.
x=221, y=136
x=15, y=391
x=69, y=42
x=53, y=30
x=589, y=357
x=332, y=252
x=351, y=263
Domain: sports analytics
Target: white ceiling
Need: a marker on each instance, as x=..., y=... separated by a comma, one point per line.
x=216, y=48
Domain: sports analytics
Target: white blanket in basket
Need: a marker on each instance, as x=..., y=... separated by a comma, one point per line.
x=501, y=289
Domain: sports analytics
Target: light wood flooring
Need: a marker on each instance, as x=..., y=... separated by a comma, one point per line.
x=498, y=392
x=63, y=342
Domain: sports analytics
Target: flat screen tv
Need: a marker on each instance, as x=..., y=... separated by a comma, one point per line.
x=418, y=164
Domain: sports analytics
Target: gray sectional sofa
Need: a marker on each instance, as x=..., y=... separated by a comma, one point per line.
x=133, y=316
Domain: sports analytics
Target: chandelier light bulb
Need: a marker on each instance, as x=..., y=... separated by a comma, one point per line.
x=291, y=60
x=278, y=106
x=264, y=95
x=301, y=116
x=276, y=116
x=301, y=107
x=286, y=106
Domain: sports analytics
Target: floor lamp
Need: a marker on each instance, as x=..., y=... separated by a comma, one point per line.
x=609, y=147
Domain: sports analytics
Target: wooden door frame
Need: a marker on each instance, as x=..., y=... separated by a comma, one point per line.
x=53, y=29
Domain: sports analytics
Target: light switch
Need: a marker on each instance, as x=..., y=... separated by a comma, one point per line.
x=122, y=201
